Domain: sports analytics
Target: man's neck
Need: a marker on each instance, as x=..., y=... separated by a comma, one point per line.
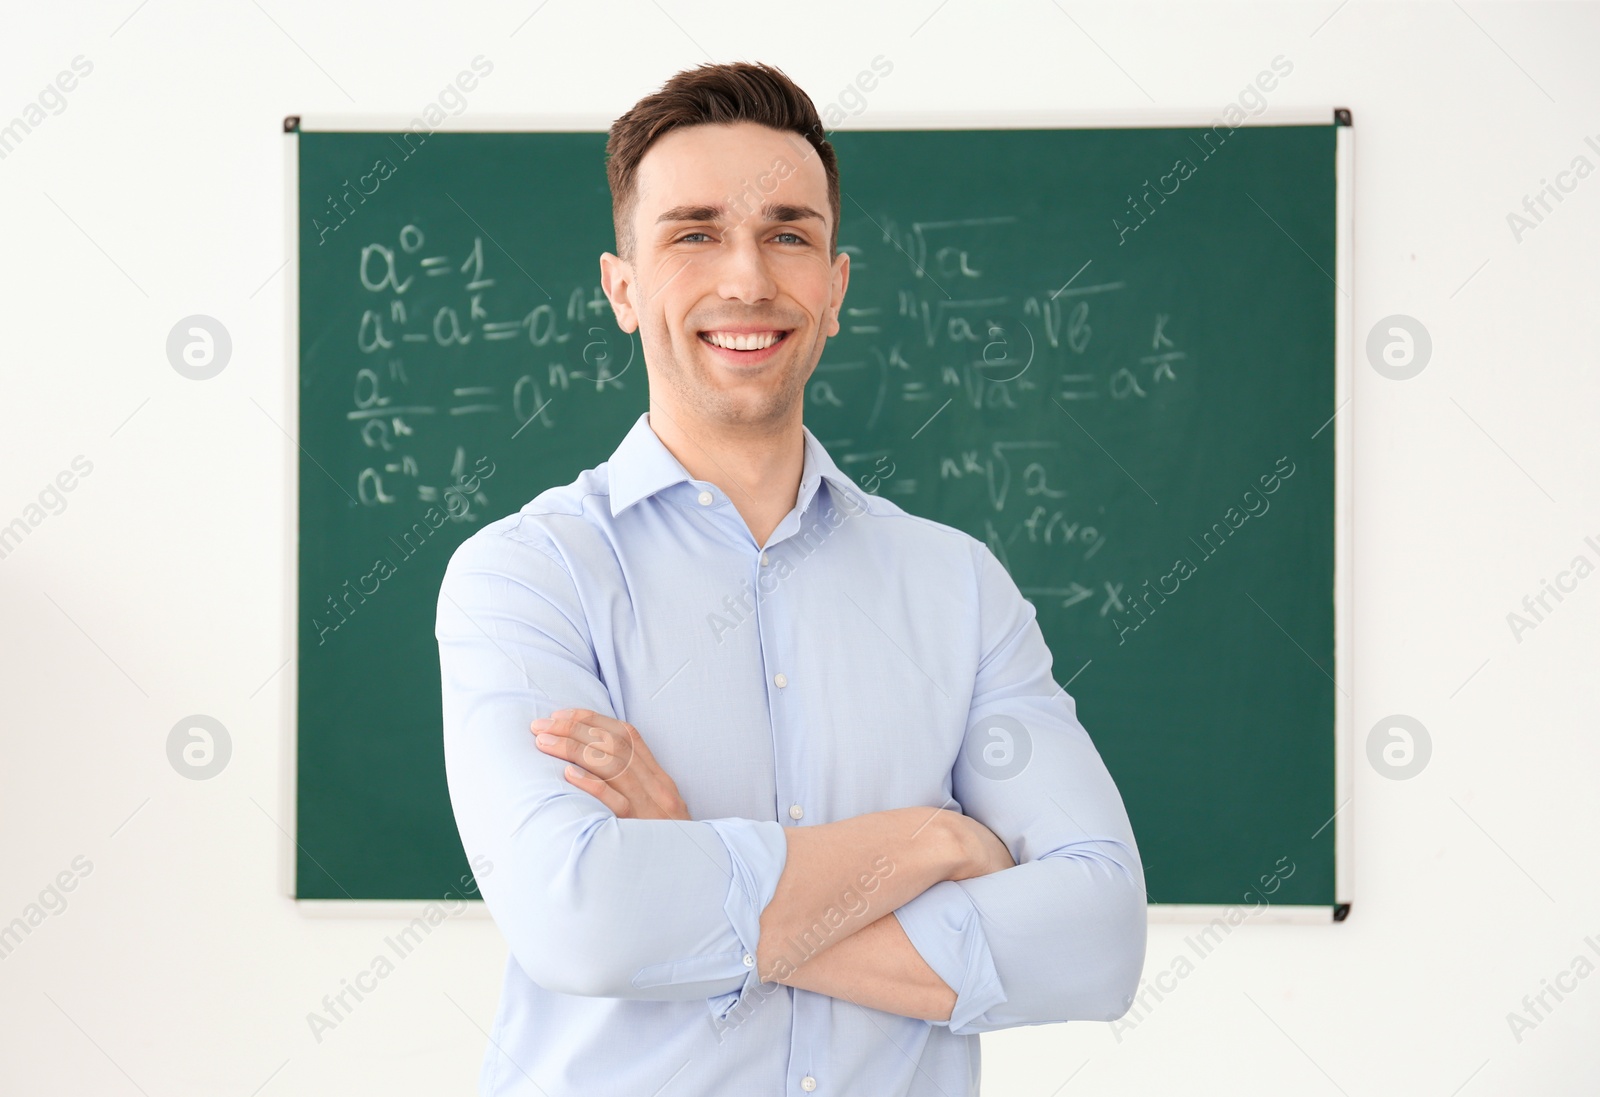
x=759, y=472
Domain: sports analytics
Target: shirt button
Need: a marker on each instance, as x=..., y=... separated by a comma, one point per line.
x=705, y=498
x=808, y=1083
x=763, y=559
x=781, y=680
x=749, y=960
x=796, y=811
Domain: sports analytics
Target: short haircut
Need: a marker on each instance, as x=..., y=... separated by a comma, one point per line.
x=714, y=95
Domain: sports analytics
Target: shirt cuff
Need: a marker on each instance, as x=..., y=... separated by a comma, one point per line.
x=757, y=852
x=945, y=929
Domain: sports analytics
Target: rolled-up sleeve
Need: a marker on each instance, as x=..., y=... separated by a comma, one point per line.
x=590, y=904
x=1061, y=936
x=943, y=926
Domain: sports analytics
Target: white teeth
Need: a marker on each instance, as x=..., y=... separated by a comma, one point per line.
x=728, y=341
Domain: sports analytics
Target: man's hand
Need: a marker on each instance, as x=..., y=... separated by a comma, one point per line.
x=611, y=763
x=983, y=852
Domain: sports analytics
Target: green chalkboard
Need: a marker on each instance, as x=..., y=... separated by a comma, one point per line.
x=1107, y=352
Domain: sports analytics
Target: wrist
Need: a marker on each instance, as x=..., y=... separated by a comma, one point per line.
x=955, y=844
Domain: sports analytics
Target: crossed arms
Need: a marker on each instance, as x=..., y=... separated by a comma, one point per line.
x=864, y=956
x=1027, y=906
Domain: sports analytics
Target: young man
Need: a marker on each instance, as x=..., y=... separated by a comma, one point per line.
x=850, y=821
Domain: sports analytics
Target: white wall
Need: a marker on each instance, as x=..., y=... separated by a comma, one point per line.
x=178, y=968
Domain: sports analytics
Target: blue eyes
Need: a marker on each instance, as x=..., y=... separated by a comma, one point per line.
x=796, y=237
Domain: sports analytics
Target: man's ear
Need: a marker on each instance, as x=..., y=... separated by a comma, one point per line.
x=616, y=282
x=841, y=280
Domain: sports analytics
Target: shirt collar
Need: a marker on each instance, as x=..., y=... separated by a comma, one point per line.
x=642, y=465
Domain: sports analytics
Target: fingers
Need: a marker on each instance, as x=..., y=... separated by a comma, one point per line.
x=601, y=791
x=604, y=752
x=626, y=736
x=600, y=744
x=641, y=748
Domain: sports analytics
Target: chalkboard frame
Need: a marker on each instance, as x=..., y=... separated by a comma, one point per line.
x=1341, y=424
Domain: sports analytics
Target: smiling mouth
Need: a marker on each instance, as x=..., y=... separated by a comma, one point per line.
x=743, y=342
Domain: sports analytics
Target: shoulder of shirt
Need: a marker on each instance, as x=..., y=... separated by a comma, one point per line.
x=549, y=520
x=935, y=532
x=540, y=523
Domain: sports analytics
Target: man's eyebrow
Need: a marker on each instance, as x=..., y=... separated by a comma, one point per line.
x=779, y=212
x=691, y=213
x=790, y=213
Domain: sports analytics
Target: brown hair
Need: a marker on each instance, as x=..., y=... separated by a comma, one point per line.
x=714, y=95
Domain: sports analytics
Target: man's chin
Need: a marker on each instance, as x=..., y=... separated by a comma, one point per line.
x=747, y=409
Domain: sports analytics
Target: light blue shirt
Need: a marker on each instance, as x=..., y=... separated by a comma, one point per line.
x=862, y=659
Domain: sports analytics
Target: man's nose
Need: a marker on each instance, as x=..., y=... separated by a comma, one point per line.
x=744, y=273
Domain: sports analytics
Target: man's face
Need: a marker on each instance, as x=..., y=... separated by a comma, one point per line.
x=730, y=285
